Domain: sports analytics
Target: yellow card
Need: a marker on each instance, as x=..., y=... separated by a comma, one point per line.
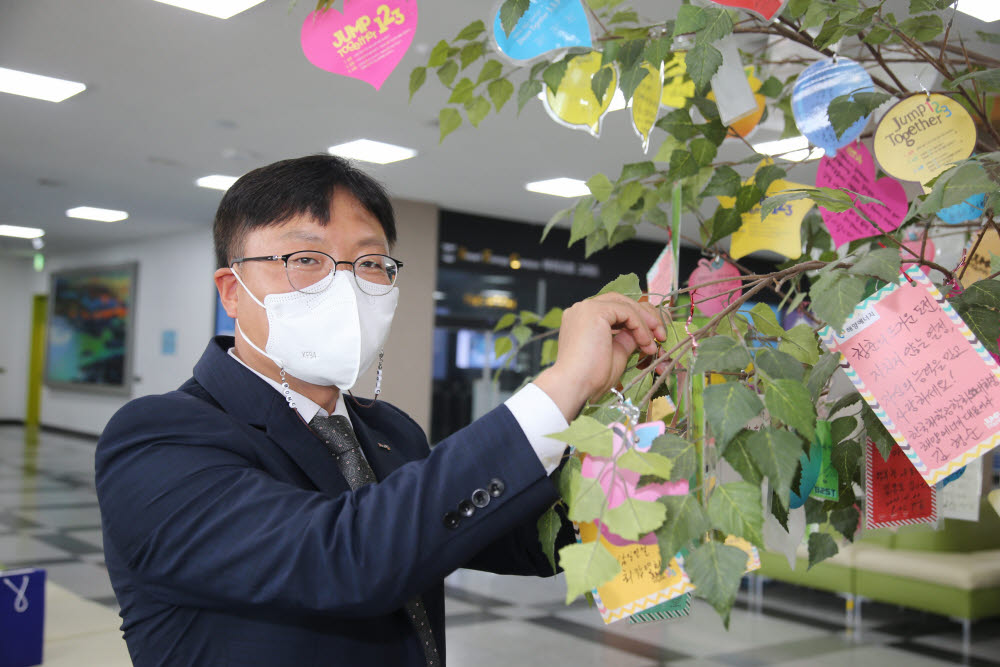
x=575, y=105
x=753, y=556
x=677, y=89
x=778, y=232
x=646, y=103
x=979, y=264
x=922, y=135
x=640, y=584
x=660, y=408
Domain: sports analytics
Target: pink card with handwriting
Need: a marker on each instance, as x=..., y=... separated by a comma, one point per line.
x=853, y=168
x=924, y=373
x=365, y=42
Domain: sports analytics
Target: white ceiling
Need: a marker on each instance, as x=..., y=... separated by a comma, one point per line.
x=173, y=95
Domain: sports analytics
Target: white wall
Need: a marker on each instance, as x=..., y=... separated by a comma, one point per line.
x=176, y=292
x=16, y=288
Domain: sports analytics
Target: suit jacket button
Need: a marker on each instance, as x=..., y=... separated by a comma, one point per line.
x=466, y=509
x=496, y=487
x=480, y=498
x=451, y=520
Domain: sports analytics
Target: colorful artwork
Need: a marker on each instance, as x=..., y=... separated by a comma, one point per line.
x=924, y=374
x=90, y=329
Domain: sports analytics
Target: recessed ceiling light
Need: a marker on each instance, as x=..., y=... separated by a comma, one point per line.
x=21, y=232
x=37, y=86
x=984, y=10
x=99, y=214
x=795, y=149
x=220, y=9
x=376, y=152
x=559, y=187
x=216, y=182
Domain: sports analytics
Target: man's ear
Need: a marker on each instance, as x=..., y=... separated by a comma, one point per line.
x=226, y=283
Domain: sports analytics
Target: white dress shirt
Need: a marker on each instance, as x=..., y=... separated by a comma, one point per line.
x=536, y=414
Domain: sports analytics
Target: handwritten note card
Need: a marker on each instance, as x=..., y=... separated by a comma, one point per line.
x=960, y=498
x=895, y=493
x=924, y=374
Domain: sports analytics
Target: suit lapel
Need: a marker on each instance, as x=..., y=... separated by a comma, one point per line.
x=383, y=454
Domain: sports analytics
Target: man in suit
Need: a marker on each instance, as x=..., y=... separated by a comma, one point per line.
x=256, y=517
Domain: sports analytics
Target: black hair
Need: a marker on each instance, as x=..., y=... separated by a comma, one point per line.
x=271, y=195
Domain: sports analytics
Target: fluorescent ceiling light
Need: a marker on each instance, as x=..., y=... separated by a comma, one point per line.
x=559, y=187
x=795, y=149
x=216, y=182
x=37, y=86
x=376, y=152
x=220, y=9
x=21, y=232
x=984, y=10
x=99, y=214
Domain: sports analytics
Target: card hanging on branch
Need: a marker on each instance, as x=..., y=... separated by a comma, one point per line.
x=713, y=299
x=575, y=105
x=660, y=277
x=895, y=493
x=745, y=125
x=766, y=9
x=367, y=41
x=544, y=28
x=960, y=499
x=780, y=231
x=921, y=136
x=924, y=374
x=678, y=88
x=853, y=168
x=827, y=485
x=646, y=103
x=812, y=93
x=979, y=263
x=736, y=99
x=811, y=464
x=970, y=209
x=679, y=607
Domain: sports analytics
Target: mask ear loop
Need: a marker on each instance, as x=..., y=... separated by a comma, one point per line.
x=378, y=384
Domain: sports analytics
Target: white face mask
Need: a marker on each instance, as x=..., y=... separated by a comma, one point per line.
x=328, y=338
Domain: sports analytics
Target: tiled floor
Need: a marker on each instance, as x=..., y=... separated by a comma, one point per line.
x=49, y=518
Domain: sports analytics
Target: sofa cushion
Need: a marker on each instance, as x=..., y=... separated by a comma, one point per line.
x=967, y=571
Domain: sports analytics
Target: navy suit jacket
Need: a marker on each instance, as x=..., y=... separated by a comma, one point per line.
x=231, y=537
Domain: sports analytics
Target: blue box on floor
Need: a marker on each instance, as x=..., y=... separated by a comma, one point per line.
x=22, y=617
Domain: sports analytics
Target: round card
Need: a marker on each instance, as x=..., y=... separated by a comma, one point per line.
x=575, y=105
x=815, y=88
x=544, y=27
x=922, y=135
x=970, y=209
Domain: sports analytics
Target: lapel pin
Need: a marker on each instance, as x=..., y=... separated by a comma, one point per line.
x=387, y=447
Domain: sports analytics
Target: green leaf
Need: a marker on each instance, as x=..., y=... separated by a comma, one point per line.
x=554, y=73
x=779, y=511
x=646, y=463
x=447, y=72
x=683, y=164
x=748, y=197
x=992, y=38
x=678, y=124
x=728, y=408
x=587, y=435
x=988, y=79
x=679, y=452
x=417, y=78
x=587, y=565
x=566, y=474
x=882, y=263
x=552, y=319
x=767, y=175
x=718, y=24
x=491, y=70
x=634, y=518
x=922, y=28
x=846, y=110
x=737, y=454
x=845, y=401
x=631, y=78
x=686, y=521
x=690, y=18
x=637, y=170
x=735, y=509
x=600, y=83
x=462, y=92
x=600, y=186
x=766, y=321
x=627, y=284
x=771, y=88
x=984, y=323
x=834, y=296
x=703, y=151
x=586, y=498
x=924, y=6
x=716, y=571
x=550, y=350
x=548, y=530
x=500, y=91
x=583, y=222
x=439, y=54
x=703, y=61
x=470, y=53
x=845, y=521
x=876, y=431
x=842, y=428
x=472, y=30
x=801, y=343
x=821, y=373
x=846, y=459
x=789, y=402
x=725, y=182
x=521, y=333
x=985, y=293
x=720, y=353
x=506, y=320
x=502, y=346
x=724, y=222
x=477, y=108
x=528, y=91
x=776, y=452
x=776, y=365
x=511, y=12
x=821, y=547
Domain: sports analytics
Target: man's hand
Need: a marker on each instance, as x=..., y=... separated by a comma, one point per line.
x=596, y=339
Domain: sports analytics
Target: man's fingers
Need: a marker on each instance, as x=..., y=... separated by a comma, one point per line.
x=643, y=311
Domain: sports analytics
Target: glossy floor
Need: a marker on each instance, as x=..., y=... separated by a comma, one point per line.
x=49, y=518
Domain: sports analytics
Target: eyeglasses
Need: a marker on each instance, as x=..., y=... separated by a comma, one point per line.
x=375, y=274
